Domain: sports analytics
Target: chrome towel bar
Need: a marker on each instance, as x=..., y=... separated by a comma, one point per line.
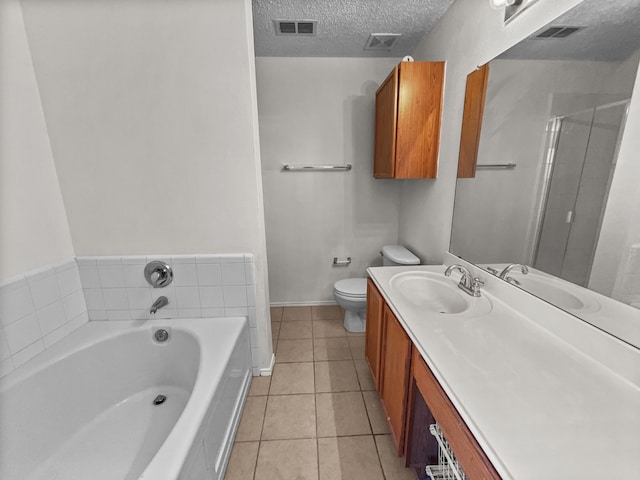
x=496, y=165
x=313, y=168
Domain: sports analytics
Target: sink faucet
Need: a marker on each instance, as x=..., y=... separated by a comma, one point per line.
x=159, y=303
x=468, y=283
x=503, y=274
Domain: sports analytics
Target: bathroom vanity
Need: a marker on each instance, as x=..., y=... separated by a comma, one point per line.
x=519, y=388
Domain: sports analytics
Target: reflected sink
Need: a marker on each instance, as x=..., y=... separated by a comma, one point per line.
x=434, y=293
x=561, y=294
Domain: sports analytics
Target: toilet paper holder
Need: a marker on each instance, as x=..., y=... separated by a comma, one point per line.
x=341, y=263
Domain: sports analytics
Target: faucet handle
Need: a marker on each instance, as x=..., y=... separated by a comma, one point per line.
x=158, y=274
x=476, y=283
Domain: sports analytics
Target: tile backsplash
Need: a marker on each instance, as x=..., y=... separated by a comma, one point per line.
x=204, y=286
x=40, y=307
x=37, y=309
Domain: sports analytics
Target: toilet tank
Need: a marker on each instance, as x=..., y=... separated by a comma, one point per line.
x=398, y=255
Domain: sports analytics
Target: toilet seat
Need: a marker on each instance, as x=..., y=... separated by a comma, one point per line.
x=351, y=287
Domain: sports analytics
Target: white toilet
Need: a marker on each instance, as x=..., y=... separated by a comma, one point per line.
x=351, y=293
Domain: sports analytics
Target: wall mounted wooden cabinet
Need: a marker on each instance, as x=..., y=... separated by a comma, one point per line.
x=472, y=121
x=408, y=114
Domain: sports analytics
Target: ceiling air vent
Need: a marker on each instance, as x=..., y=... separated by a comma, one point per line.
x=295, y=27
x=557, y=32
x=382, y=41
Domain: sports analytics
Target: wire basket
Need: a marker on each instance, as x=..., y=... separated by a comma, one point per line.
x=448, y=467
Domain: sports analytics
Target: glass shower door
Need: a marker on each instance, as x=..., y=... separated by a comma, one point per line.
x=583, y=166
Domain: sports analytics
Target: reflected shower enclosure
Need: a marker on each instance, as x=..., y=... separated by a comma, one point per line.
x=581, y=159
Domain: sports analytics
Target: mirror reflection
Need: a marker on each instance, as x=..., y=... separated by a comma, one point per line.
x=550, y=189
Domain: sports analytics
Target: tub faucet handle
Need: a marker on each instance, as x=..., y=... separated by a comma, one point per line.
x=158, y=274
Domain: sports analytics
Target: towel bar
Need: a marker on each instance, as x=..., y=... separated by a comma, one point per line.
x=319, y=168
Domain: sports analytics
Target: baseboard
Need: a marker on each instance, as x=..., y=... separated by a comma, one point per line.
x=303, y=304
x=266, y=372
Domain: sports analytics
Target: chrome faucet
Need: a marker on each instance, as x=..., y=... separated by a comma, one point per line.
x=468, y=283
x=503, y=274
x=159, y=303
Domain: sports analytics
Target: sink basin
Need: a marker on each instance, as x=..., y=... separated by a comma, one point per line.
x=561, y=294
x=435, y=293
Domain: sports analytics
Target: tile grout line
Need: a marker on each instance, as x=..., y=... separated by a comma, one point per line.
x=315, y=396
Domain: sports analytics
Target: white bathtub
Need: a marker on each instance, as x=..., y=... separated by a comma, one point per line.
x=83, y=409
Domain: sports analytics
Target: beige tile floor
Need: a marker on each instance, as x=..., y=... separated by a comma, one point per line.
x=318, y=417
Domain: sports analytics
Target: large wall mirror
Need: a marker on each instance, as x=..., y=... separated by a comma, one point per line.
x=550, y=190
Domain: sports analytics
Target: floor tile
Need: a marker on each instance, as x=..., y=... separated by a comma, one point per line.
x=341, y=414
x=251, y=422
x=349, y=458
x=290, y=378
x=296, y=313
x=377, y=418
x=294, y=351
x=275, y=330
x=328, y=328
x=295, y=330
x=259, y=386
x=325, y=312
x=364, y=375
x=288, y=460
x=356, y=342
x=392, y=465
x=276, y=314
x=336, y=376
x=242, y=463
x=289, y=416
x=331, y=349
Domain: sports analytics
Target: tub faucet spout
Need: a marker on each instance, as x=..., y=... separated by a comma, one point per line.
x=159, y=303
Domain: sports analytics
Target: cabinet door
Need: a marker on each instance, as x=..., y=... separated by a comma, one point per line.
x=396, y=360
x=373, y=340
x=385, y=133
x=472, y=121
x=420, y=87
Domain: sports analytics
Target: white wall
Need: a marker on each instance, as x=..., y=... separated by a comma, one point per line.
x=151, y=110
x=33, y=222
x=321, y=111
x=469, y=34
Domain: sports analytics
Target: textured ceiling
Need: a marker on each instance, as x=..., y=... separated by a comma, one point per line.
x=344, y=26
x=611, y=33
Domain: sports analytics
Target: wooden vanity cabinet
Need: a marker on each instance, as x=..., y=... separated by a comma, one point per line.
x=468, y=452
x=412, y=397
x=373, y=336
x=408, y=117
x=394, y=376
x=472, y=121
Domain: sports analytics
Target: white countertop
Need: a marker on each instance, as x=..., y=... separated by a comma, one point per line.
x=539, y=407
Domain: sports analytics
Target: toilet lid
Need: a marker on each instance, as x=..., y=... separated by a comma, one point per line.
x=400, y=255
x=352, y=287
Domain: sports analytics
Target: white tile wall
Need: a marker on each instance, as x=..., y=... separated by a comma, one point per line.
x=37, y=309
x=204, y=286
x=40, y=307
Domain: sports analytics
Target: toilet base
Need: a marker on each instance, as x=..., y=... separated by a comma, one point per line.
x=354, y=322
